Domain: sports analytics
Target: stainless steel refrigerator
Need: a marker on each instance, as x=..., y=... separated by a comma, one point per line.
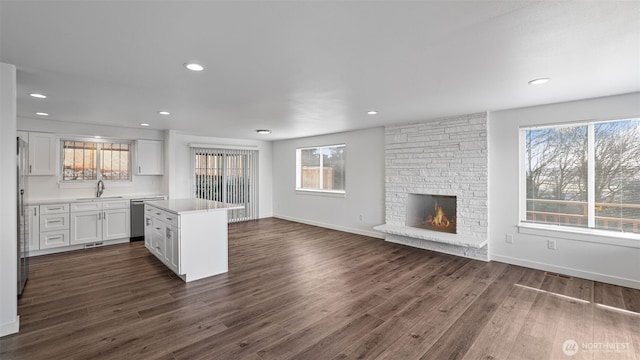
x=23, y=219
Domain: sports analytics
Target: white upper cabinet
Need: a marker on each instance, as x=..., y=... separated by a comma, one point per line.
x=42, y=153
x=149, y=158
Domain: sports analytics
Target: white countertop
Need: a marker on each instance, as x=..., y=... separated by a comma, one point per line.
x=105, y=198
x=181, y=206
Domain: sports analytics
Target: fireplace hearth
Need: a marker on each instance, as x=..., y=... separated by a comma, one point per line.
x=432, y=212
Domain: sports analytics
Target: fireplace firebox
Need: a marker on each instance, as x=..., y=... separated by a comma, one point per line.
x=432, y=212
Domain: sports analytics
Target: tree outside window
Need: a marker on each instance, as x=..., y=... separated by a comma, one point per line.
x=584, y=175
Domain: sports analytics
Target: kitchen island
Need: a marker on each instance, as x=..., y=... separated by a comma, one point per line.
x=190, y=236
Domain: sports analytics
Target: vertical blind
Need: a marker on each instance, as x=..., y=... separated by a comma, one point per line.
x=227, y=175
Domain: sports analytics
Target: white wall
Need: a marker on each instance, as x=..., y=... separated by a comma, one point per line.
x=47, y=187
x=9, y=321
x=609, y=263
x=180, y=182
x=364, y=184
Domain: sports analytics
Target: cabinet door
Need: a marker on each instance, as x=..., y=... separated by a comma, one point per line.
x=34, y=227
x=42, y=153
x=175, y=250
x=86, y=227
x=171, y=248
x=116, y=224
x=149, y=157
x=148, y=232
x=157, y=239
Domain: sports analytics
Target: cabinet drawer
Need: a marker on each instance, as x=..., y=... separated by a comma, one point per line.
x=54, y=209
x=52, y=239
x=86, y=206
x=116, y=204
x=170, y=218
x=162, y=215
x=54, y=222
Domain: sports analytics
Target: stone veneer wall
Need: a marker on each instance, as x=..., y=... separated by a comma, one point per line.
x=446, y=156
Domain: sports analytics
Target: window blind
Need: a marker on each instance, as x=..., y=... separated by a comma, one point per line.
x=227, y=175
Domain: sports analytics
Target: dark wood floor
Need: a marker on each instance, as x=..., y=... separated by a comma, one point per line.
x=300, y=292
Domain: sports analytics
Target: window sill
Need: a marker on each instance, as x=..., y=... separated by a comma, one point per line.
x=587, y=235
x=327, y=193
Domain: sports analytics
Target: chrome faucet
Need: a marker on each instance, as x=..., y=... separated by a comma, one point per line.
x=100, y=188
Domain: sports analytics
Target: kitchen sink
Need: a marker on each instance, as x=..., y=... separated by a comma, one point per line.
x=99, y=198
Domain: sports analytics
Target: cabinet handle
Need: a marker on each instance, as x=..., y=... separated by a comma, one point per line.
x=169, y=218
x=104, y=216
x=54, y=221
x=35, y=211
x=30, y=168
x=157, y=228
x=56, y=208
x=139, y=169
x=99, y=216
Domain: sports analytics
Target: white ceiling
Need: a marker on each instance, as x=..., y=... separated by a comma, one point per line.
x=309, y=68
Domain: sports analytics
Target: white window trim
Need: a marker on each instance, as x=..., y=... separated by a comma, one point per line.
x=592, y=235
x=581, y=234
x=317, y=192
x=90, y=183
x=329, y=193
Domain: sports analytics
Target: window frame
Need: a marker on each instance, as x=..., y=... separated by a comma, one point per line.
x=99, y=177
x=589, y=233
x=321, y=192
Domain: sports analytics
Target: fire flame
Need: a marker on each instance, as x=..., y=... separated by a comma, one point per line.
x=440, y=220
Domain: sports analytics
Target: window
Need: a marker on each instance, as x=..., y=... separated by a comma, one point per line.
x=321, y=168
x=230, y=176
x=92, y=160
x=583, y=175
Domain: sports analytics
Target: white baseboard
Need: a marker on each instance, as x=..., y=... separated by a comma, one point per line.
x=370, y=233
x=10, y=328
x=631, y=283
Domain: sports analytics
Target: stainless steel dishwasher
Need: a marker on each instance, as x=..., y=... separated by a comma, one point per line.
x=137, y=216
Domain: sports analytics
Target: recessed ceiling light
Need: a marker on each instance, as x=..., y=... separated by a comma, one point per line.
x=144, y=124
x=97, y=136
x=539, y=81
x=42, y=114
x=39, y=96
x=372, y=112
x=164, y=113
x=263, y=131
x=194, y=66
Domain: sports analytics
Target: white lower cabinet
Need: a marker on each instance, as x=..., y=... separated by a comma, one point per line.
x=171, y=240
x=53, y=226
x=193, y=244
x=34, y=227
x=91, y=222
x=86, y=227
x=116, y=224
x=162, y=239
x=53, y=239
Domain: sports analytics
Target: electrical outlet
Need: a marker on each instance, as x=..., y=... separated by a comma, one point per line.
x=509, y=239
x=361, y=217
x=551, y=244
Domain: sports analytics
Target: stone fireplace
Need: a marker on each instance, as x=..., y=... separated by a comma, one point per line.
x=432, y=212
x=446, y=159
